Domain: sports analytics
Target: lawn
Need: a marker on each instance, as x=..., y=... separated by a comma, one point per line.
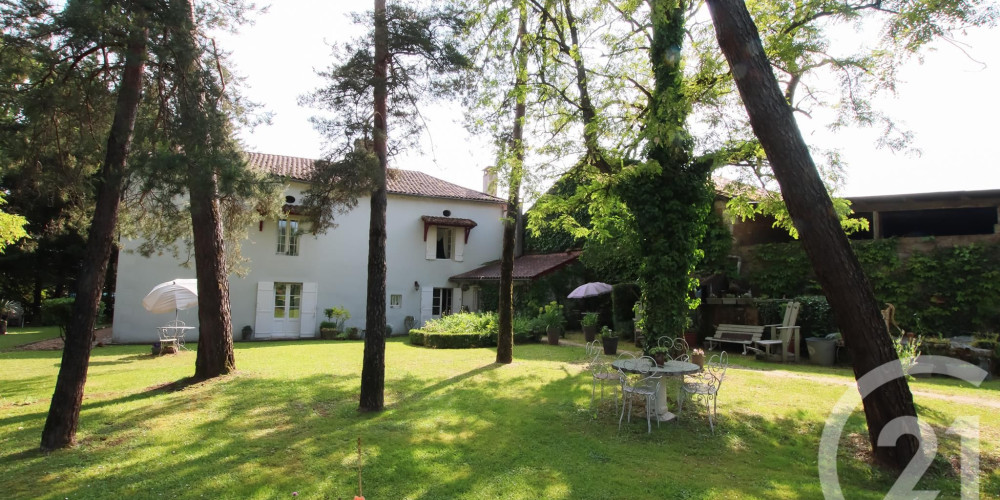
x=456, y=425
x=18, y=336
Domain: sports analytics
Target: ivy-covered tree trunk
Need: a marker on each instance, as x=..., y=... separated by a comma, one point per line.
x=64, y=410
x=505, y=338
x=837, y=268
x=199, y=131
x=373, y=363
x=670, y=195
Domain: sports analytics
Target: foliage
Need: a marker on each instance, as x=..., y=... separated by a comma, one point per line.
x=716, y=247
x=59, y=312
x=425, y=62
x=11, y=227
x=815, y=317
x=656, y=349
x=467, y=330
x=328, y=324
x=7, y=308
x=608, y=333
x=907, y=350
x=589, y=319
x=624, y=296
x=338, y=315
x=948, y=290
x=551, y=314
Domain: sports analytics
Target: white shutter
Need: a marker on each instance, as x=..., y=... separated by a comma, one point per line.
x=426, y=305
x=264, y=324
x=459, y=235
x=307, y=327
x=431, y=243
x=456, y=300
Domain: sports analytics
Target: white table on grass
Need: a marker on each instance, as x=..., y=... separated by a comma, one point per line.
x=174, y=334
x=668, y=369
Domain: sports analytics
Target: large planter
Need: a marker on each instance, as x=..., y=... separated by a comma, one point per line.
x=821, y=351
x=328, y=333
x=552, y=332
x=589, y=332
x=610, y=345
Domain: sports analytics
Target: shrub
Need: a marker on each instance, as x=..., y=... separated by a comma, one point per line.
x=467, y=330
x=623, y=299
x=59, y=312
x=815, y=316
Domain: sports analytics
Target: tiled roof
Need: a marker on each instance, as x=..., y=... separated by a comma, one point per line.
x=526, y=267
x=403, y=182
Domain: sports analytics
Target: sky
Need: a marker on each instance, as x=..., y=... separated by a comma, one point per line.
x=949, y=100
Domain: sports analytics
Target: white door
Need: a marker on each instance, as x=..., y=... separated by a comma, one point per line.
x=287, y=310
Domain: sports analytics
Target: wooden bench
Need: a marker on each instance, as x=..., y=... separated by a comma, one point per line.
x=744, y=335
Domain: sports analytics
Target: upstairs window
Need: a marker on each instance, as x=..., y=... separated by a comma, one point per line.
x=445, y=237
x=445, y=242
x=288, y=237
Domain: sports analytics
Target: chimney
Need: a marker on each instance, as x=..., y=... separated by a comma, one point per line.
x=490, y=181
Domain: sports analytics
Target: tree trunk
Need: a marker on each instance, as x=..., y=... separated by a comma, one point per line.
x=505, y=338
x=64, y=410
x=837, y=268
x=198, y=126
x=373, y=363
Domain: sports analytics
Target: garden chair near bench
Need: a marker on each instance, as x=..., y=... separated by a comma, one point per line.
x=785, y=334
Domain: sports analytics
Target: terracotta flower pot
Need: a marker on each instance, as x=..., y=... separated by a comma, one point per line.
x=698, y=359
x=660, y=358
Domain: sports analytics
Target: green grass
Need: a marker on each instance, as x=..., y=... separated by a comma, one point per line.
x=456, y=425
x=17, y=336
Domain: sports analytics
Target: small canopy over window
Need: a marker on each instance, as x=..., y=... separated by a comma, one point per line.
x=431, y=220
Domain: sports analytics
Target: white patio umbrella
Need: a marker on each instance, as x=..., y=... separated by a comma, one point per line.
x=590, y=290
x=172, y=295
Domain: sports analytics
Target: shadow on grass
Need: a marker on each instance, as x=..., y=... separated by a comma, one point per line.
x=486, y=432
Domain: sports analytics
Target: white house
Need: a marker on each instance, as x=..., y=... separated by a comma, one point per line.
x=435, y=230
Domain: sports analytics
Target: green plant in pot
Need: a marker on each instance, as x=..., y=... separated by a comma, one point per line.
x=589, y=325
x=609, y=340
x=334, y=324
x=7, y=309
x=551, y=315
x=659, y=353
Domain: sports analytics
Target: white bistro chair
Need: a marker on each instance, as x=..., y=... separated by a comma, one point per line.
x=705, y=386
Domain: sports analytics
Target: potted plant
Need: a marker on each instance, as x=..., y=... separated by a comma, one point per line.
x=659, y=354
x=551, y=315
x=328, y=330
x=247, y=332
x=589, y=325
x=335, y=318
x=698, y=357
x=7, y=308
x=609, y=340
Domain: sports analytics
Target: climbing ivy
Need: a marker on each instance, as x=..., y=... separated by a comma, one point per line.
x=947, y=290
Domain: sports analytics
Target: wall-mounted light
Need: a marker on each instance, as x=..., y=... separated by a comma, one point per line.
x=416, y=286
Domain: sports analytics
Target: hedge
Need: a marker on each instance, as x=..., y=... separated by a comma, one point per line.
x=447, y=340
